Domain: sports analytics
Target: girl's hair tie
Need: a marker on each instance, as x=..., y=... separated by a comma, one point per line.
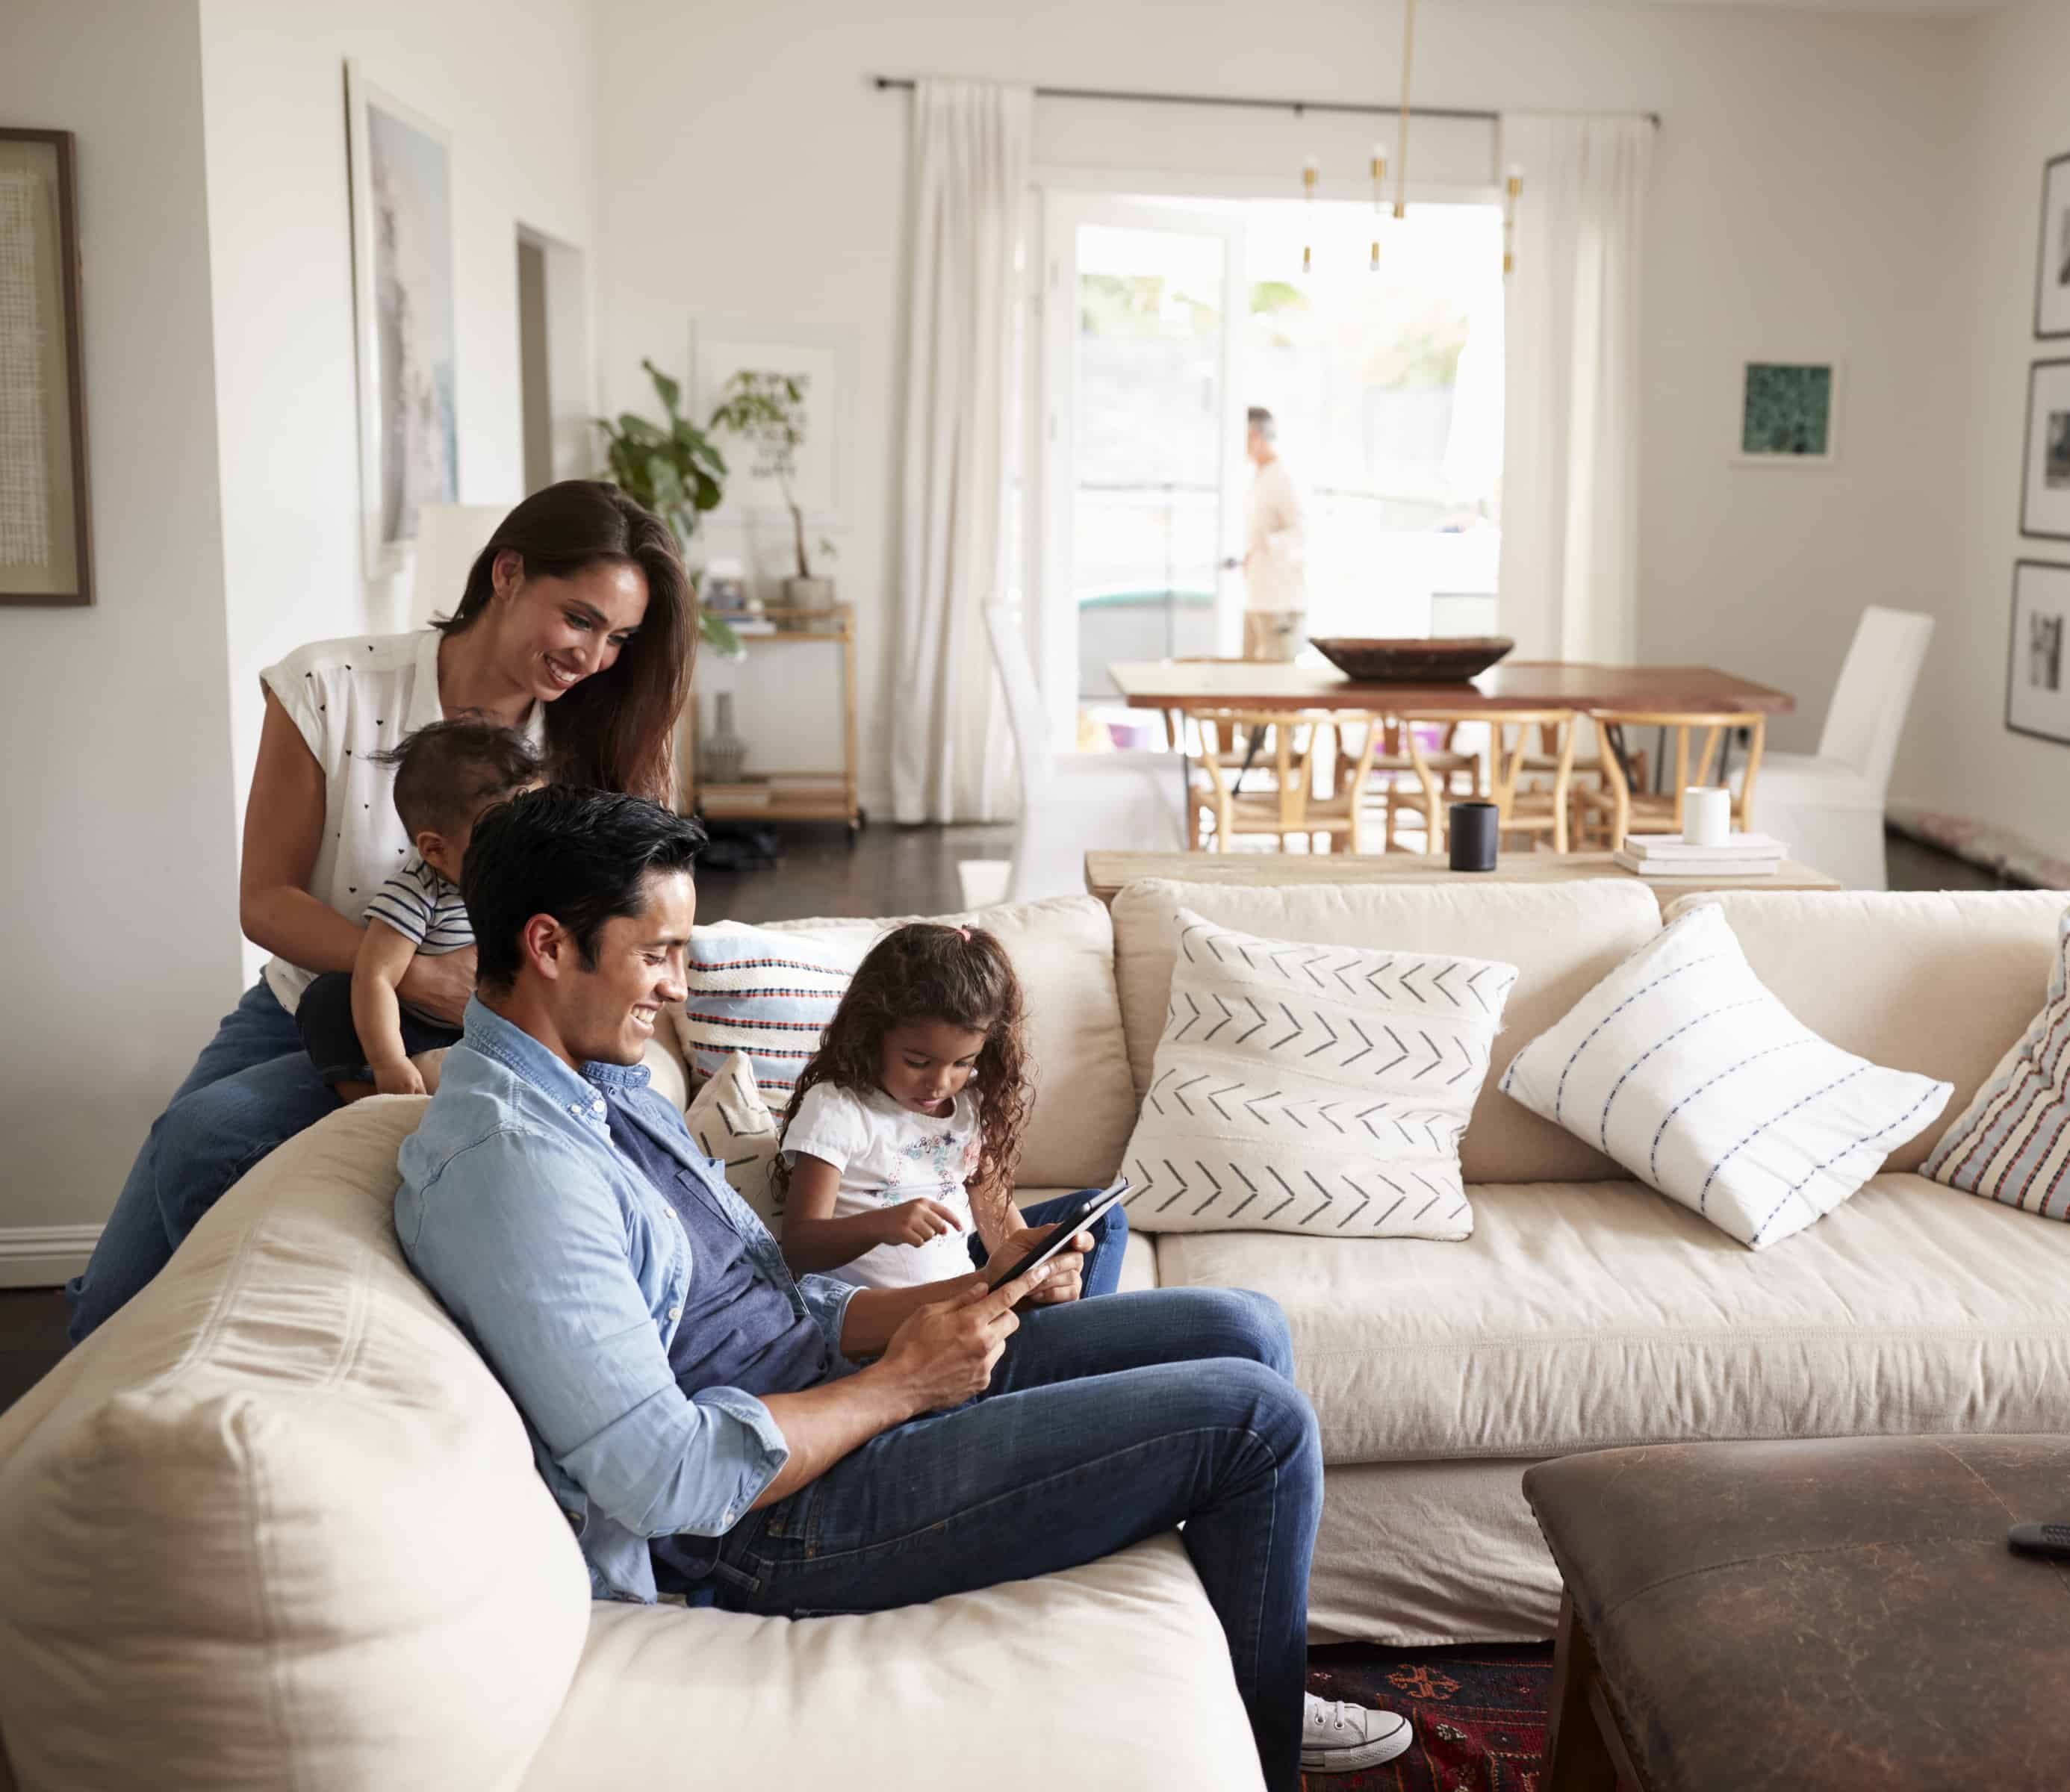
x=963, y=934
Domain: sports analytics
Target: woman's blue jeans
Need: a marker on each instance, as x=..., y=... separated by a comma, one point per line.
x=1102, y=1274
x=252, y=1088
x=1106, y=1421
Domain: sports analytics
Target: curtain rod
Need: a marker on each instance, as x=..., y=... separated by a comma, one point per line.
x=1299, y=108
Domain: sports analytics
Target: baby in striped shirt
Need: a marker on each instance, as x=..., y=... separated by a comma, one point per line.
x=361, y=1034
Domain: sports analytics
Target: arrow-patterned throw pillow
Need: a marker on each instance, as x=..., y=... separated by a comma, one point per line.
x=1320, y=1089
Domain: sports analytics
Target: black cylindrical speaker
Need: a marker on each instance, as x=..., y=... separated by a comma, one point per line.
x=1473, y=836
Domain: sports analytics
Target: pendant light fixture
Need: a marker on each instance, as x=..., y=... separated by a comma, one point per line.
x=1511, y=188
x=1378, y=187
x=1309, y=169
x=1401, y=133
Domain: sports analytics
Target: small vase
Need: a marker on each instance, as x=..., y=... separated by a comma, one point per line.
x=809, y=593
x=724, y=753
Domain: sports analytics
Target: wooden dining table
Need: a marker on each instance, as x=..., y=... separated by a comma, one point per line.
x=1196, y=684
x=1191, y=687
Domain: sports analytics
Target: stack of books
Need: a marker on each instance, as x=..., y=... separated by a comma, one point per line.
x=1671, y=856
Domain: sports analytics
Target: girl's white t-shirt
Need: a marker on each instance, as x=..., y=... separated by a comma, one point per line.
x=351, y=698
x=887, y=1154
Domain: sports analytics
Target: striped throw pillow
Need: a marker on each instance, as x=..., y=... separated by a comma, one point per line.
x=2012, y=1143
x=1683, y=1066
x=766, y=994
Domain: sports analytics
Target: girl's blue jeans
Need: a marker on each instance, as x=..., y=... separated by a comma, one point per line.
x=1102, y=1274
x=1107, y=1421
x=252, y=1088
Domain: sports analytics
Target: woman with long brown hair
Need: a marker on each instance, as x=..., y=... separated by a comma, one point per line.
x=577, y=629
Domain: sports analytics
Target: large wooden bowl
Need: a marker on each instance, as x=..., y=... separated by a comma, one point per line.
x=1428, y=660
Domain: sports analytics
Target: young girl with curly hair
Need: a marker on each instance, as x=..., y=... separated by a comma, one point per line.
x=899, y=1154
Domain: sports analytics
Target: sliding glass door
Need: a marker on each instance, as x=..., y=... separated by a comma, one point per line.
x=1140, y=444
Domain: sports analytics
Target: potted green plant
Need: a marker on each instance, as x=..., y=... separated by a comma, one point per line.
x=675, y=469
x=766, y=410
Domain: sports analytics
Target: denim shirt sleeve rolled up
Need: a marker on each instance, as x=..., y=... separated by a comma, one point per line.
x=568, y=1274
x=529, y=1253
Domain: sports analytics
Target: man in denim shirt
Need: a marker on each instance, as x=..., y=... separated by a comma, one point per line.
x=710, y=1425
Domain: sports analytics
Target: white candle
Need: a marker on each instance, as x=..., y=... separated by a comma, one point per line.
x=1706, y=816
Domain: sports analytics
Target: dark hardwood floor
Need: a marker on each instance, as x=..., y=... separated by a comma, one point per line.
x=885, y=870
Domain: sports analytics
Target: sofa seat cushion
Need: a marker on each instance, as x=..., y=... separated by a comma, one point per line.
x=1564, y=939
x=919, y=1700
x=276, y=1523
x=1582, y=1316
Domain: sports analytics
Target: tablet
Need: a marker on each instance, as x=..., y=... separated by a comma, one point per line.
x=1068, y=1228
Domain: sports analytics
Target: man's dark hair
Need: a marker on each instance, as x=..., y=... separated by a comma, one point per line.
x=1259, y=418
x=581, y=856
x=446, y=772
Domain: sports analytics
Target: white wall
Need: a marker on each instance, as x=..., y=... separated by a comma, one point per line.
x=118, y=898
x=749, y=169
x=1958, y=754
x=515, y=84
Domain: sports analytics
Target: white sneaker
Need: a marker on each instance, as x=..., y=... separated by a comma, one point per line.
x=1337, y=1738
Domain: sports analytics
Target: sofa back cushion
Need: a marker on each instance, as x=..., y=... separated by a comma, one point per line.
x=1940, y=982
x=1062, y=951
x=276, y=1523
x=1562, y=939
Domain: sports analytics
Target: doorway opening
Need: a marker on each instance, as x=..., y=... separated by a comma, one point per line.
x=553, y=361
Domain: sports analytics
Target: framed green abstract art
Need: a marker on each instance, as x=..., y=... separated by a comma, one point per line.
x=1789, y=413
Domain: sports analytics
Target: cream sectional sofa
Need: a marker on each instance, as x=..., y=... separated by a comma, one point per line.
x=277, y=1524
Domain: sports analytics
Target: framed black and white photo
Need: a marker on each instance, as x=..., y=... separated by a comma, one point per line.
x=400, y=169
x=2044, y=507
x=2038, y=672
x=2051, y=276
x=45, y=537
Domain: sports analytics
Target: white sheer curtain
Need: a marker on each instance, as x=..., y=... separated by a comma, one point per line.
x=1569, y=574
x=970, y=170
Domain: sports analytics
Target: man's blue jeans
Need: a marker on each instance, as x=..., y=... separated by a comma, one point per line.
x=1106, y=1421
x=252, y=1088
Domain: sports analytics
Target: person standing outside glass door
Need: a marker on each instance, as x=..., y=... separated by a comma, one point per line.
x=1275, y=614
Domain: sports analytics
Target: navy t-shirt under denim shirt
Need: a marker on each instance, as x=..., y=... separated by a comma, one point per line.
x=737, y=1330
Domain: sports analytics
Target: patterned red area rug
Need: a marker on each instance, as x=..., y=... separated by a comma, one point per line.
x=1479, y=1712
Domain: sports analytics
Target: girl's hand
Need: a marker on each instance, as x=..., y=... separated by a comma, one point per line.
x=915, y=1223
x=1060, y=1279
x=440, y=983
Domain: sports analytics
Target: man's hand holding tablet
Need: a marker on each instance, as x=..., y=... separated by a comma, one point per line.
x=1039, y=1247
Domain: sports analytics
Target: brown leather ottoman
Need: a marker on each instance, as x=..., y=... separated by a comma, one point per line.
x=1841, y=1614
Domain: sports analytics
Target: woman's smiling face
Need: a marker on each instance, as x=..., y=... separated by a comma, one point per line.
x=558, y=630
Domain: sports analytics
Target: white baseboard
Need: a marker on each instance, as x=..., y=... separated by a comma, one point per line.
x=44, y=1256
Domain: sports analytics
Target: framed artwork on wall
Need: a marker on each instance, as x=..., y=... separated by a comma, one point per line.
x=400, y=171
x=2051, y=275
x=2045, y=508
x=822, y=360
x=2038, y=668
x=1789, y=413
x=45, y=537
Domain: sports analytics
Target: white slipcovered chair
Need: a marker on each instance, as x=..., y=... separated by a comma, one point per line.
x=1070, y=802
x=1827, y=807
